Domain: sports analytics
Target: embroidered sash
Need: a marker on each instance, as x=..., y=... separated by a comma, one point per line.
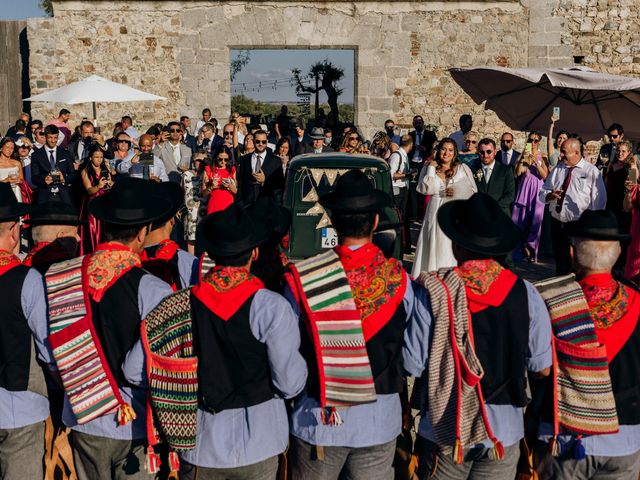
x=172, y=370
x=582, y=394
x=454, y=396
x=90, y=387
x=335, y=327
x=7, y=261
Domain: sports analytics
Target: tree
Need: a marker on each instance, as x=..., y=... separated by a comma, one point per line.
x=47, y=6
x=239, y=62
x=326, y=76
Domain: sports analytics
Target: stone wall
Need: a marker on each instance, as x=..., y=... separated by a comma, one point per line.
x=181, y=50
x=605, y=32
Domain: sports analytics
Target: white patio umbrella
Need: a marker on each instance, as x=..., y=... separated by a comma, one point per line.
x=94, y=89
x=524, y=98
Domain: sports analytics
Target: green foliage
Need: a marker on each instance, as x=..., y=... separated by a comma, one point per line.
x=238, y=63
x=47, y=6
x=244, y=104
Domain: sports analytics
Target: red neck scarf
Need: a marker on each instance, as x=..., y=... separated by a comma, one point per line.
x=7, y=261
x=225, y=289
x=486, y=283
x=166, y=250
x=615, y=309
x=377, y=284
x=106, y=265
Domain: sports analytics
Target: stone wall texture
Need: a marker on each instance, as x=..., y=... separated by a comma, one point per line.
x=181, y=49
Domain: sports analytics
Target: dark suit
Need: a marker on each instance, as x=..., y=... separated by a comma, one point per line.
x=515, y=156
x=191, y=142
x=73, y=150
x=415, y=202
x=40, y=168
x=249, y=190
x=308, y=148
x=501, y=186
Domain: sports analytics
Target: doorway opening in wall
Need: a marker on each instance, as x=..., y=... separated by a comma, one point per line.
x=317, y=87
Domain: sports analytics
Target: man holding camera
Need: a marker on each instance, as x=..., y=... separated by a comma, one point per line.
x=52, y=170
x=79, y=149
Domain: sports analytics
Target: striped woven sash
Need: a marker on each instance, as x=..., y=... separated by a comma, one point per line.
x=582, y=394
x=90, y=388
x=336, y=330
x=172, y=370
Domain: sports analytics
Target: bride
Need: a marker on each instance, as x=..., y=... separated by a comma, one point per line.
x=444, y=179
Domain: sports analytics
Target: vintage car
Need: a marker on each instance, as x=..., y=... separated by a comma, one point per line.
x=312, y=175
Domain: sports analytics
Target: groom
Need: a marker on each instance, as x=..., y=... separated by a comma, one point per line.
x=493, y=177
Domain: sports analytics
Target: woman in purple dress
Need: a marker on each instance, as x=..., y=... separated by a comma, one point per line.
x=528, y=210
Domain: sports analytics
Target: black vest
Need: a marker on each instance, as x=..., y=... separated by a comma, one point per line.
x=233, y=366
x=116, y=319
x=385, y=356
x=15, y=336
x=625, y=380
x=501, y=337
x=166, y=270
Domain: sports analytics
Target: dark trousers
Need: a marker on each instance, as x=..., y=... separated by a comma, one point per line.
x=364, y=463
x=265, y=470
x=561, y=251
x=400, y=202
x=100, y=458
x=477, y=465
x=22, y=452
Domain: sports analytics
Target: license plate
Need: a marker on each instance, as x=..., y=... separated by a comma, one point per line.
x=329, y=238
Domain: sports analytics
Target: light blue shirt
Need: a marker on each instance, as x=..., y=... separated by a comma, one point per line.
x=136, y=169
x=625, y=442
x=506, y=420
x=19, y=409
x=244, y=436
x=150, y=292
x=372, y=423
x=188, y=268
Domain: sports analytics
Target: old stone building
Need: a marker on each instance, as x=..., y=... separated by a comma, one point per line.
x=181, y=49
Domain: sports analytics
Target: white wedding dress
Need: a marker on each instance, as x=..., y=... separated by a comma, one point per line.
x=433, y=250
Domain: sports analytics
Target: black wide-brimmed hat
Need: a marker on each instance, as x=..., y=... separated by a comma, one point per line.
x=479, y=225
x=10, y=208
x=55, y=213
x=131, y=201
x=175, y=194
x=355, y=193
x=231, y=232
x=277, y=216
x=597, y=225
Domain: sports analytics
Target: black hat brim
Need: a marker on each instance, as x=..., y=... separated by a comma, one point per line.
x=149, y=208
x=15, y=210
x=62, y=220
x=372, y=202
x=448, y=220
x=174, y=193
x=596, y=234
x=257, y=232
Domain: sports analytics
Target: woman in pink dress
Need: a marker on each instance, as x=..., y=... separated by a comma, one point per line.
x=96, y=179
x=220, y=181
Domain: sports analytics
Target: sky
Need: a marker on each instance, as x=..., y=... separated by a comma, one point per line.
x=19, y=9
x=267, y=66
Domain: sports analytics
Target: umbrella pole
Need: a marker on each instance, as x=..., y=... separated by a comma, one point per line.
x=95, y=115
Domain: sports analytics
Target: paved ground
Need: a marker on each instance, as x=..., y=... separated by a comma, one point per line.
x=544, y=268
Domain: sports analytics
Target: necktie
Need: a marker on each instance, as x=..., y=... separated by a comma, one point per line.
x=258, y=165
x=565, y=186
x=507, y=158
x=487, y=174
x=52, y=160
x=176, y=153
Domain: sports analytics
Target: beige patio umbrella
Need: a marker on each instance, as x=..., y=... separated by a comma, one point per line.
x=524, y=98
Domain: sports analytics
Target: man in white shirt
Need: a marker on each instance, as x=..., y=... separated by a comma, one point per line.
x=399, y=168
x=572, y=187
x=206, y=118
x=129, y=129
x=466, y=123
